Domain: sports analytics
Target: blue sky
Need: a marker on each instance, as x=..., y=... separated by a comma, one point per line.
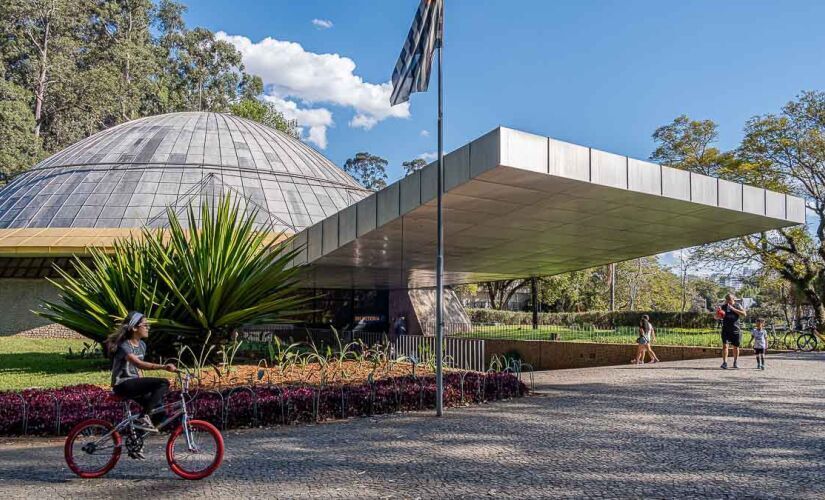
x=600, y=73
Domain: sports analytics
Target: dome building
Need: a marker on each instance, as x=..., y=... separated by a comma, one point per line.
x=124, y=178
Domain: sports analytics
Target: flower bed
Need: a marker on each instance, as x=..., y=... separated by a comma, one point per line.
x=56, y=411
x=347, y=372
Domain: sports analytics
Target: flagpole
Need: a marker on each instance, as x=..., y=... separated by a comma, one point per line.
x=439, y=271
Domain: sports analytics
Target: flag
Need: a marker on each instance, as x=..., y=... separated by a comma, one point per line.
x=412, y=71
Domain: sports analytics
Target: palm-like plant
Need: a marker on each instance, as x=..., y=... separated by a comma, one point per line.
x=196, y=281
x=100, y=295
x=224, y=274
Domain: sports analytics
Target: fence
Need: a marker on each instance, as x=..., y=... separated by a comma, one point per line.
x=462, y=353
x=694, y=337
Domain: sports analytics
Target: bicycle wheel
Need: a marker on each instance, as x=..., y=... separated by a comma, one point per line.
x=202, y=458
x=790, y=341
x=92, y=448
x=807, y=342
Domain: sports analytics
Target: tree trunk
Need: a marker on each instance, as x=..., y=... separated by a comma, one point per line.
x=127, y=78
x=818, y=307
x=42, y=80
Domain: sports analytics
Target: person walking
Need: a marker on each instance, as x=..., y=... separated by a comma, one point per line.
x=760, y=343
x=730, y=313
x=647, y=334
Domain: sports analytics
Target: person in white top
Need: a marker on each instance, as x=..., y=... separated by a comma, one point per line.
x=647, y=334
x=760, y=343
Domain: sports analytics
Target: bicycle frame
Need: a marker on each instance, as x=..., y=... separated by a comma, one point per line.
x=176, y=409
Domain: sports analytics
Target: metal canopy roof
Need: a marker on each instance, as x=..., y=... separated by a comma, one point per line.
x=518, y=204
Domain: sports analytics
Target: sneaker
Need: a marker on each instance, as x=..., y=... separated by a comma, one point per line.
x=144, y=423
x=724, y=365
x=763, y=367
x=137, y=455
x=735, y=365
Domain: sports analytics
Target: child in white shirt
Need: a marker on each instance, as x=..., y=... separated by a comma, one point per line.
x=760, y=343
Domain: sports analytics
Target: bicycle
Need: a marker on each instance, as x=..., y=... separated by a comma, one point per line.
x=93, y=447
x=808, y=340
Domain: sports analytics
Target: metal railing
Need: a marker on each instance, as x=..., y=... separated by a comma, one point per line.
x=695, y=337
x=460, y=353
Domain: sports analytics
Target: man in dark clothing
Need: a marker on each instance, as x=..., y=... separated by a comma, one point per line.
x=731, y=334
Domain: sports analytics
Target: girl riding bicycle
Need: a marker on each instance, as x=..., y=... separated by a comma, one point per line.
x=126, y=348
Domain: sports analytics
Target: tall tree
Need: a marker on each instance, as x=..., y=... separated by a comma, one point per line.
x=41, y=39
x=500, y=292
x=122, y=39
x=19, y=148
x=266, y=113
x=369, y=170
x=791, y=146
x=411, y=166
x=209, y=71
x=688, y=144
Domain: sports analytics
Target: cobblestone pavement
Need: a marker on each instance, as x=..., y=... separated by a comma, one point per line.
x=682, y=429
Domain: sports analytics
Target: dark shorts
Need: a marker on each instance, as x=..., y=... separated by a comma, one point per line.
x=759, y=350
x=733, y=338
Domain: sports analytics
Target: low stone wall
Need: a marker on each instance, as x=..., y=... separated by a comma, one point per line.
x=552, y=355
x=50, y=331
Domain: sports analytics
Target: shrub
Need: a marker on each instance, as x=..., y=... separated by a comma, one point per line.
x=56, y=411
x=598, y=319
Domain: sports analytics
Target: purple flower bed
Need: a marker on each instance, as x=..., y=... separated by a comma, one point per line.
x=56, y=411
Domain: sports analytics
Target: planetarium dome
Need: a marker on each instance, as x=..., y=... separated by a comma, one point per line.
x=126, y=176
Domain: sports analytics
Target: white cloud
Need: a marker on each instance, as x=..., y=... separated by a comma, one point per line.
x=291, y=74
x=313, y=122
x=425, y=133
x=429, y=156
x=323, y=24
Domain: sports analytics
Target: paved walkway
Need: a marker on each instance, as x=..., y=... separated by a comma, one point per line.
x=683, y=429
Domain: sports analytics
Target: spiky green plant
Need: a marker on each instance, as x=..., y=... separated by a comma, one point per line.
x=225, y=274
x=198, y=280
x=99, y=295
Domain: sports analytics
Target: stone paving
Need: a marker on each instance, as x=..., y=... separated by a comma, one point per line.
x=682, y=429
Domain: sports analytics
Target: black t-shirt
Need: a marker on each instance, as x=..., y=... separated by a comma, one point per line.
x=730, y=323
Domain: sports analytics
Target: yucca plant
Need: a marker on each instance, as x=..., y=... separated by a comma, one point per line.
x=98, y=296
x=198, y=282
x=224, y=273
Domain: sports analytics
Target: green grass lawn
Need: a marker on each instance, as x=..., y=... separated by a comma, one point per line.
x=624, y=335
x=43, y=363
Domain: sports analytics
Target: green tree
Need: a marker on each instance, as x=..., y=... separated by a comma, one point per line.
x=264, y=112
x=19, y=148
x=411, y=166
x=791, y=146
x=209, y=71
x=41, y=39
x=369, y=170
x=500, y=292
x=122, y=40
x=688, y=145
